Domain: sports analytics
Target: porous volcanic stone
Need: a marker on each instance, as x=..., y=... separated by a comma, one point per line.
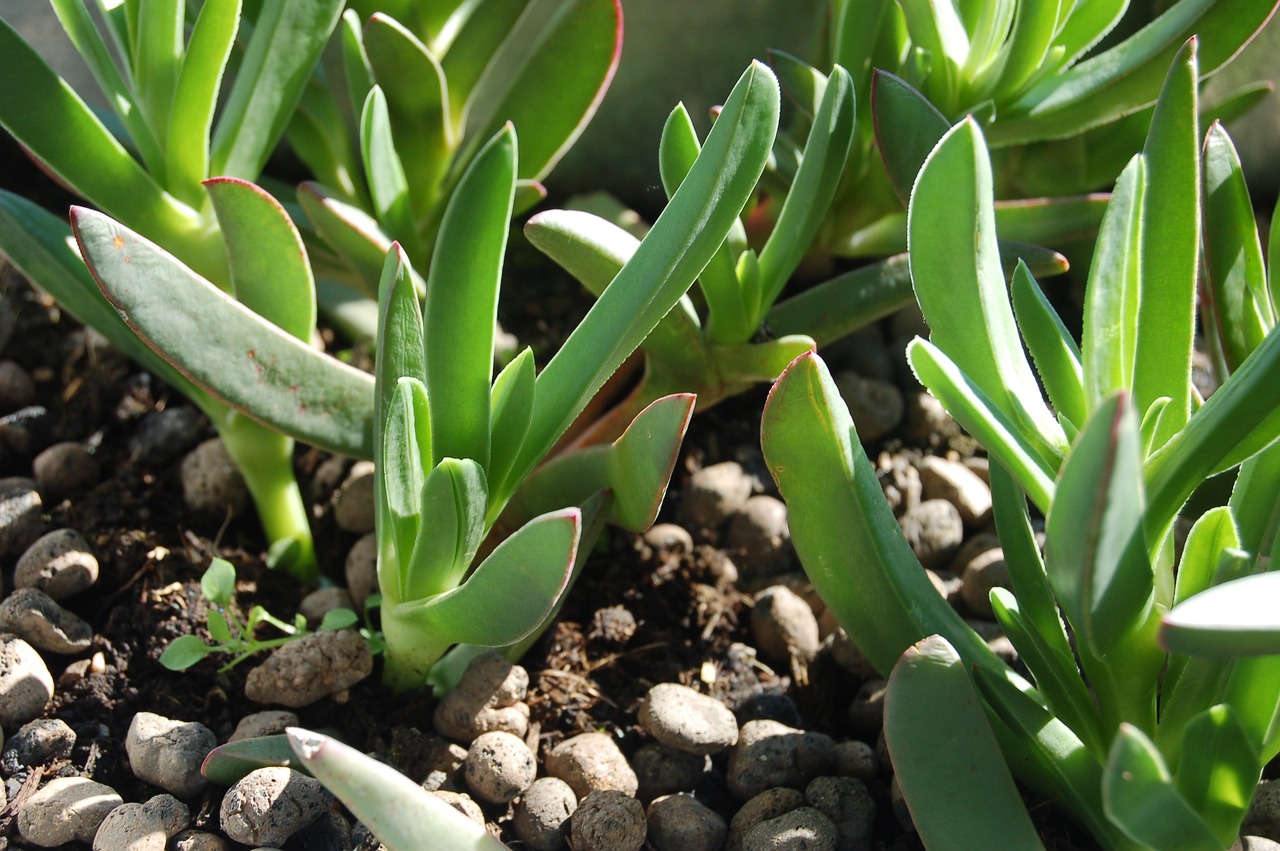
x=591, y=762
x=168, y=753
x=684, y=720
x=542, y=814
x=715, y=493
x=499, y=767
x=316, y=665
x=60, y=564
x=142, y=827
x=804, y=827
x=35, y=743
x=39, y=619
x=681, y=822
x=269, y=805
x=784, y=625
x=608, y=820
x=759, y=538
x=66, y=809
x=21, y=520
x=769, y=804
x=770, y=754
x=211, y=483
x=26, y=685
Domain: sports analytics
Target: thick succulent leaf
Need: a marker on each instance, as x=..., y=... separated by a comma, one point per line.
x=1219, y=770
x=1237, y=302
x=462, y=302
x=907, y=128
x=385, y=172
x=223, y=346
x=510, y=409
x=228, y=764
x=1025, y=53
x=1255, y=503
x=287, y=41
x=451, y=529
x=1139, y=796
x=354, y=235
x=157, y=57
x=1237, y=618
x=955, y=267
x=356, y=70
x=318, y=134
x=1212, y=535
x=1083, y=25
x=938, y=32
x=843, y=530
x=400, y=813
x=1095, y=552
x=1054, y=351
x=765, y=361
x=842, y=304
x=472, y=40
x=802, y=84
x=1028, y=580
x=403, y=465
x=936, y=731
x=269, y=270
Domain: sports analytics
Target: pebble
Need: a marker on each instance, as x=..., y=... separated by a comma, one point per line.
x=142, y=827
x=926, y=422
x=863, y=352
x=661, y=770
x=667, y=539
x=542, y=814
x=499, y=767
x=958, y=485
x=59, y=563
x=613, y=624
x=681, y=822
x=715, y=493
x=66, y=809
x=489, y=697
x=304, y=671
x=65, y=469
x=353, y=502
x=198, y=840
x=211, y=483
x=856, y=759
x=361, y=569
x=592, y=762
x=984, y=571
x=767, y=805
x=330, y=832
x=934, y=530
x=685, y=720
x=269, y=722
x=26, y=429
x=320, y=602
x=26, y=685
x=37, y=617
x=268, y=805
x=1255, y=843
x=444, y=762
x=463, y=803
x=784, y=625
x=35, y=743
x=875, y=404
x=608, y=820
x=849, y=805
x=759, y=538
x=17, y=390
x=801, y=828
x=771, y=754
x=850, y=657
x=168, y=753
x=21, y=509
x=866, y=711
x=774, y=705
x=164, y=436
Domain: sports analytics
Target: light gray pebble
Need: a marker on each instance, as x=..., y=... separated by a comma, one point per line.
x=848, y=803
x=499, y=767
x=941, y=478
x=668, y=538
x=21, y=514
x=542, y=814
x=330, y=832
x=320, y=602
x=980, y=466
x=784, y=626
x=17, y=390
x=856, y=759
x=801, y=829
x=759, y=538
x=767, y=805
x=164, y=436
x=198, y=840
x=866, y=711
x=361, y=569
x=982, y=572
x=268, y=805
x=489, y=697
x=167, y=753
x=876, y=405
x=608, y=820
x=715, y=493
x=60, y=564
x=142, y=827
x=1254, y=843
x=37, y=617
x=353, y=503
x=26, y=685
x=463, y=803
x=661, y=770
x=65, y=469
x=66, y=809
x=770, y=754
x=211, y=483
x=35, y=743
x=591, y=762
x=315, y=666
x=934, y=530
x=681, y=822
x=269, y=722
x=684, y=720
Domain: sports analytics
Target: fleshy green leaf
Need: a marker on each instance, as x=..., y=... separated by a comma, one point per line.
x=352, y=234
x=1056, y=356
x=452, y=527
x=1138, y=794
x=228, y=764
x=907, y=128
x=510, y=408
x=1238, y=618
x=1213, y=534
x=388, y=183
x=405, y=459
x=1219, y=770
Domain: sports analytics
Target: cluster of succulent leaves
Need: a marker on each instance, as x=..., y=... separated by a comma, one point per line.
x=1152, y=707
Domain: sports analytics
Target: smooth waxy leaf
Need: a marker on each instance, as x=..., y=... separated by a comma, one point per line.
x=227, y=764
x=510, y=408
x=404, y=462
x=1237, y=618
x=223, y=346
x=1026, y=51
x=452, y=527
x=907, y=127
x=802, y=84
x=388, y=184
x=352, y=234
x=472, y=40
x=1213, y=534
x=1255, y=503
x=157, y=57
x=1219, y=770
x=842, y=304
x=936, y=730
x=1055, y=353
x=398, y=811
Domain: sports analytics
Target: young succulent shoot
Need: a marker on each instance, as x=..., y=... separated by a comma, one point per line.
x=151, y=174
x=1153, y=726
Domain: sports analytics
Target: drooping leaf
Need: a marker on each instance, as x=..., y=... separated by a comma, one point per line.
x=1236, y=618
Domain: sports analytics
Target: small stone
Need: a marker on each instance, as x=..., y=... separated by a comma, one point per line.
x=926, y=422
x=899, y=481
x=1255, y=843
x=866, y=712
x=499, y=767
x=35, y=743
x=26, y=685
x=164, y=436
x=66, y=809
x=684, y=720
x=211, y=483
x=353, y=503
x=591, y=762
x=715, y=493
x=168, y=753
x=856, y=759
x=668, y=539
x=661, y=770
x=770, y=754
x=681, y=822
x=463, y=803
x=17, y=390
x=361, y=569
x=984, y=571
x=65, y=469
x=330, y=832
x=26, y=430
x=608, y=820
x=37, y=617
x=784, y=625
x=316, y=665
x=60, y=564
x=773, y=705
x=875, y=404
x=443, y=762
x=613, y=624
x=849, y=805
x=759, y=538
x=767, y=805
x=850, y=657
x=489, y=697
x=21, y=514
x=269, y=722
x=992, y=633
x=934, y=530
x=320, y=602
x=142, y=827
x=801, y=828
x=864, y=352
x=268, y=805
x=958, y=485
x=542, y=814
x=198, y=840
